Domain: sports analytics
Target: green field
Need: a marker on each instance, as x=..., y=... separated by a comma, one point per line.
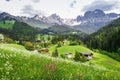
x=19, y=47
x=72, y=49
x=20, y=64
x=99, y=59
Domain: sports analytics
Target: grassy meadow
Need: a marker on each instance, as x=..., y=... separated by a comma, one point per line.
x=20, y=64
x=98, y=58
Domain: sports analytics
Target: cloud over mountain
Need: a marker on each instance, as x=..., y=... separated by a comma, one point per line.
x=8, y=0
x=105, y=5
x=28, y=9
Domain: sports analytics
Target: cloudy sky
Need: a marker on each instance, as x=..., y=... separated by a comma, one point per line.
x=64, y=8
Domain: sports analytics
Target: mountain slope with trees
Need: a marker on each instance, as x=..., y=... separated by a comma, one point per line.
x=107, y=38
x=18, y=30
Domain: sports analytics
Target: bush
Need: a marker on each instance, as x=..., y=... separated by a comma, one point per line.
x=74, y=43
x=8, y=40
x=1, y=38
x=29, y=46
x=118, y=50
x=59, y=44
x=63, y=56
x=83, y=58
x=55, y=53
x=79, y=57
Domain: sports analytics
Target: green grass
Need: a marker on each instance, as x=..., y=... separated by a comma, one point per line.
x=7, y=25
x=99, y=59
x=20, y=64
x=16, y=46
x=105, y=61
x=72, y=49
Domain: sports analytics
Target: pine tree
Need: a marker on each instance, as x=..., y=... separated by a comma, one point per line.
x=77, y=56
x=55, y=53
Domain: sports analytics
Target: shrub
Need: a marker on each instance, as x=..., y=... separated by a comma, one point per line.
x=55, y=53
x=59, y=44
x=83, y=58
x=1, y=38
x=8, y=40
x=63, y=56
x=29, y=46
x=79, y=57
x=74, y=43
x=118, y=50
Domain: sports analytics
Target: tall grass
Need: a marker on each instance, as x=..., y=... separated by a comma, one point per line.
x=24, y=65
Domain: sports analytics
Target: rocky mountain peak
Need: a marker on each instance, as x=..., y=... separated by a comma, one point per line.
x=36, y=17
x=98, y=11
x=54, y=16
x=94, y=14
x=5, y=15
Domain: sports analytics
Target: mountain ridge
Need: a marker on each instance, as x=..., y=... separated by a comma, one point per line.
x=92, y=21
x=89, y=23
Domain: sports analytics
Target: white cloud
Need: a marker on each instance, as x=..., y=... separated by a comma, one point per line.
x=106, y=5
x=29, y=10
x=35, y=1
x=64, y=8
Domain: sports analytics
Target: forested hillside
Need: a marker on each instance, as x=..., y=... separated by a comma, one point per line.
x=107, y=38
x=17, y=30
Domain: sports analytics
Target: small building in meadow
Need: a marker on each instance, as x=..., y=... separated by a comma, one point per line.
x=87, y=55
x=64, y=42
x=1, y=38
x=43, y=50
x=68, y=55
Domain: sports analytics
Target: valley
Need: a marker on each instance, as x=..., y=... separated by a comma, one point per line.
x=55, y=48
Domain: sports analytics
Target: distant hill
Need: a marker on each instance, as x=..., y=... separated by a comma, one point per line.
x=59, y=29
x=17, y=30
x=107, y=38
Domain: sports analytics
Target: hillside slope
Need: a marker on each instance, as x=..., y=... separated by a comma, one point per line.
x=107, y=38
x=17, y=30
x=99, y=59
x=24, y=65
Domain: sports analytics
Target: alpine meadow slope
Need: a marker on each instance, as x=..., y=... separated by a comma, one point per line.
x=25, y=65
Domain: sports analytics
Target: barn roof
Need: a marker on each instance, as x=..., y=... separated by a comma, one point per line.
x=86, y=53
